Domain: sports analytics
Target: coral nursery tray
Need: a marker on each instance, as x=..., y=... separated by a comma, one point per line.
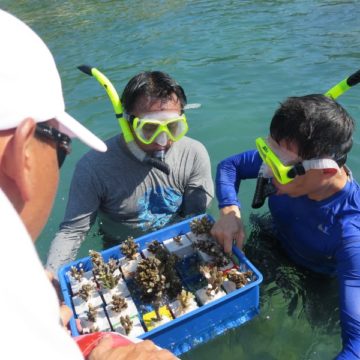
x=211, y=293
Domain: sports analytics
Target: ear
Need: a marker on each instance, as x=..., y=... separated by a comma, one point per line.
x=17, y=162
x=330, y=171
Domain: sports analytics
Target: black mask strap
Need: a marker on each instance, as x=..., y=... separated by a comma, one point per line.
x=297, y=169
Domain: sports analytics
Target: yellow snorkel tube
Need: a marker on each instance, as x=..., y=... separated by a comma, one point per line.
x=344, y=85
x=114, y=98
x=124, y=125
x=264, y=187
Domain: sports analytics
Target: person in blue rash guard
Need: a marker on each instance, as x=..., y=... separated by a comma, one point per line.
x=316, y=207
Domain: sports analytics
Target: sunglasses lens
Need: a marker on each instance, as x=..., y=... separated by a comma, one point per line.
x=63, y=142
x=62, y=151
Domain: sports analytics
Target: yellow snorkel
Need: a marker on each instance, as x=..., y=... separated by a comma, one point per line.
x=114, y=98
x=344, y=85
x=124, y=125
x=264, y=186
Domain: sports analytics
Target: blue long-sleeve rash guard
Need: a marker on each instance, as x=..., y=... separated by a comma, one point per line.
x=323, y=236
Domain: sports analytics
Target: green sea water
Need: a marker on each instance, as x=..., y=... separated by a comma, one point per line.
x=238, y=59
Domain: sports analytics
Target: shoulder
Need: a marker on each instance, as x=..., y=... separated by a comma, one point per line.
x=347, y=210
x=348, y=202
x=354, y=188
x=95, y=161
x=190, y=145
x=113, y=147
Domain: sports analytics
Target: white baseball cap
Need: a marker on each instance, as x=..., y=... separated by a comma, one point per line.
x=30, y=84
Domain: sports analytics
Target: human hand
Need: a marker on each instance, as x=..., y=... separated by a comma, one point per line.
x=144, y=350
x=65, y=315
x=228, y=228
x=65, y=312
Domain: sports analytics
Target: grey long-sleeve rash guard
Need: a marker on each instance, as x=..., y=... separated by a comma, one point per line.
x=131, y=198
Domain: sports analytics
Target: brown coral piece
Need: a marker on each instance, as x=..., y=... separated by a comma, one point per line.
x=151, y=282
x=201, y=225
x=240, y=279
x=107, y=274
x=126, y=323
x=77, y=272
x=167, y=268
x=214, y=277
x=85, y=291
x=214, y=250
x=91, y=313
x=107, y=277
x=129, y=248
x=178, y=240
x=173, y=283
x=156, y=248
x=185, y=298
x=118, y=303
x=96, y=258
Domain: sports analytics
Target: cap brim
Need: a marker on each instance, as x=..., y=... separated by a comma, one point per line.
x=72, y=128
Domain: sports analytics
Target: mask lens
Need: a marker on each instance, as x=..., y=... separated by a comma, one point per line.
x=173, y=128
x=177, y=128
x=148, y=130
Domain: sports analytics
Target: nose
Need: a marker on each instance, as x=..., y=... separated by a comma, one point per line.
x=161, y=139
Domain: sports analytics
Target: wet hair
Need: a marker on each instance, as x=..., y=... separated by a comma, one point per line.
x=317, y=124
x=151, y=86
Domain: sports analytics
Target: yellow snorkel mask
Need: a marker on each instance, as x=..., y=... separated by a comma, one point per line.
x=283, y=173
x=285, y=165
x=149, y=127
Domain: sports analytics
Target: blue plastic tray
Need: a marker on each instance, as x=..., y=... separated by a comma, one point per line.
x=198, y=326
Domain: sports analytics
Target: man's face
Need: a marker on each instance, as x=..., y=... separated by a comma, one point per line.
x=172, y=105
x=311, y=183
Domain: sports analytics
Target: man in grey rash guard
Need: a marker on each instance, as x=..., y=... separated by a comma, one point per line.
x=130, y=196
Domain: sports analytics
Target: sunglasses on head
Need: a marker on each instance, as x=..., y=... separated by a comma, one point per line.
x=63, y=142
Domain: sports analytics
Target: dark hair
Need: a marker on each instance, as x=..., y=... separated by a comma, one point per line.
x=151, y=86
x=317, y=124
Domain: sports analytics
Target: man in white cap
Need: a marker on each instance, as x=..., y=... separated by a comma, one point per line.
x=35, y=137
